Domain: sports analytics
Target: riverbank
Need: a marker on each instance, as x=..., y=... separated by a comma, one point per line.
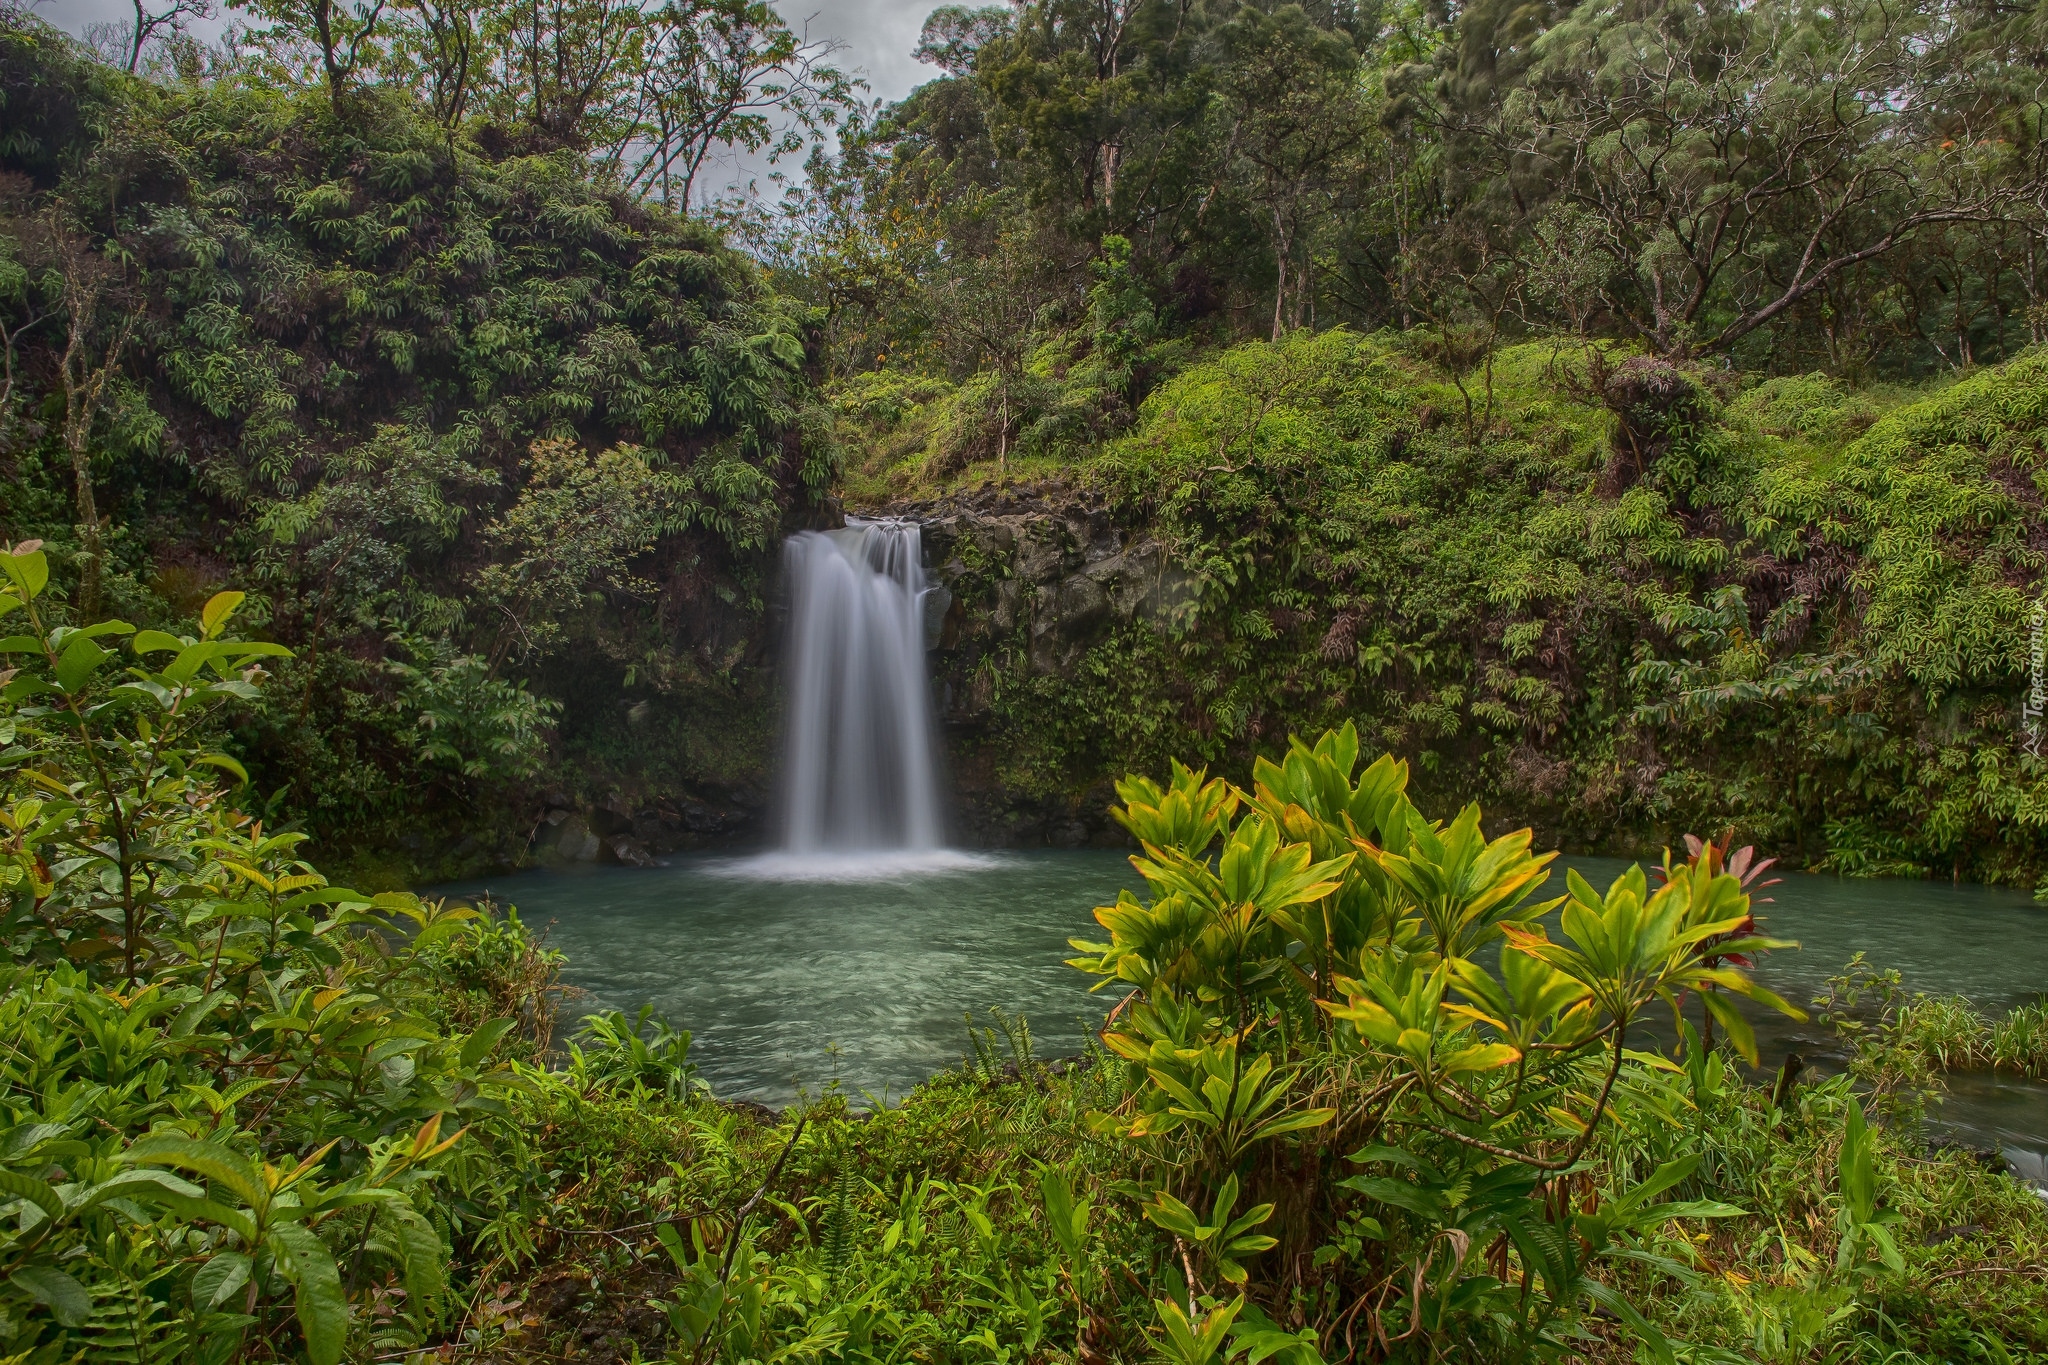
x=926, y=1227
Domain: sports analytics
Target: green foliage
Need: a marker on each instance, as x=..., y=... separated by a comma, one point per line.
x=1224, y=1237
x=1951, y=1035
x=431, y=399
x=226, y=1093
x=1280, y=990
x=1825, y=652
x=643, y=1052
x=1865, y=1225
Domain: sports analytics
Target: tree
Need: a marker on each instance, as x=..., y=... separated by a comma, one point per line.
x=1088, y=86
x=982, y=311
x=1733, y=161
x=170, y=19
x=568, y=67
x=723, y=73
x=570, y=538
x=953, y=35
x=92, y=288
x=439, y=49
x=346, y=33
x=1296, y=112
x=123, y=43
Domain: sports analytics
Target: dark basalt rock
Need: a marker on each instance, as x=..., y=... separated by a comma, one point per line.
x=637, y=832
x=1036, y=576
x=752, y=1109
x=629, y=852
x=1952, y=1233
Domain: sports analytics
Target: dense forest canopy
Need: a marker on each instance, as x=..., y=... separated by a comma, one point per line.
x=438, y=399
x=1783, y=185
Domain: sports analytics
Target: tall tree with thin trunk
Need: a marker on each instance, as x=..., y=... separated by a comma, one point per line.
x=171, y=18
x=93, y=345
x=346, y=33
x=1298, y=115
x=723, y=73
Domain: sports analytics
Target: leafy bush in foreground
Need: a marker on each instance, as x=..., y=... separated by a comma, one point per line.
x=224, y=1093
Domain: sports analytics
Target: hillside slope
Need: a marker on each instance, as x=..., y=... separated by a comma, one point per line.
x=1619, y=600
x=501, y=452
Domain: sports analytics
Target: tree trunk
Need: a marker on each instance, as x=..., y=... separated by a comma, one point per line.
x=1282, y=248
x=323, y=28
x=84, y=386
x=88, y=519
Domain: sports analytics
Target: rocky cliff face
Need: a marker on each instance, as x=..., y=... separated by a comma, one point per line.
x=1028, y=582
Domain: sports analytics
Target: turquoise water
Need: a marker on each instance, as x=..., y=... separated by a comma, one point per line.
x=861, y=979
x=795, y=984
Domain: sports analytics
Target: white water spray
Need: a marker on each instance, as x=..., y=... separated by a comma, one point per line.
x=858, y=773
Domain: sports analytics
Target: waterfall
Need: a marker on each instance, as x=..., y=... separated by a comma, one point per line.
x=858, y=774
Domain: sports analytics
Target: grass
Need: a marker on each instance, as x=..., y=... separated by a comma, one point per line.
x=1955, y=1036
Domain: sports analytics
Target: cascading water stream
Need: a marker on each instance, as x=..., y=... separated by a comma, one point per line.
x=858, y=775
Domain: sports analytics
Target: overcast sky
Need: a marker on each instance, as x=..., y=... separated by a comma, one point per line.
x=878, y=34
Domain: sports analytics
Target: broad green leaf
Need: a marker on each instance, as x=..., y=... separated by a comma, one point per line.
x=1738, y=1029
x=15, y=1185
x=1298, y=1121
x=226, y=765
x=81, y=658
x=99, y=628
x=1695, y=1208
x=1177, y=1218
x=238, y=1221
x=147, y=1184
x=31, y=1136
x=1396, y=1156
x=316, y=1284
x=63, y=1296
x=217, y=610
x=30, y=571
x=1658, y=1346
x=1480, y=1057
x=479, y=1044
x=190, y=1017
x=219, y=1278
x=1662, y=1179
x=1399, y=1193
x=222, y=1165
x=190, y=660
